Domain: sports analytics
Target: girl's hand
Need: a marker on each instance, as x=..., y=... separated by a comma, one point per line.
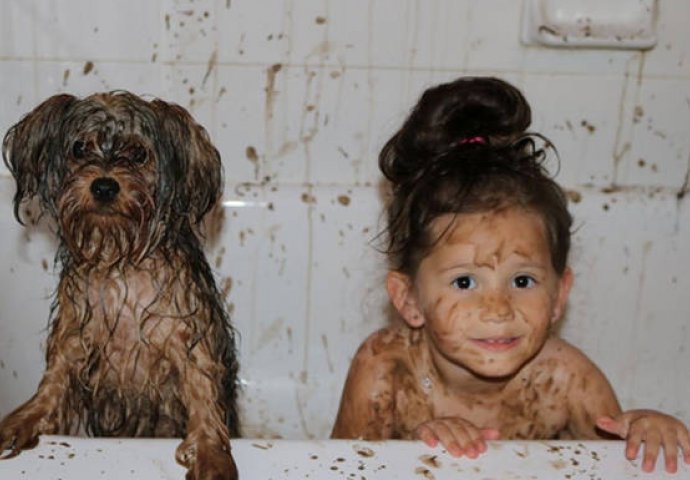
x=458, y=436
x=655, y=429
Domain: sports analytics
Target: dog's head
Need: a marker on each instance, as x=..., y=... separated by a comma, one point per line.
x=119, y=174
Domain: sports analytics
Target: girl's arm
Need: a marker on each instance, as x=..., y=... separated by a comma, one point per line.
x=656, y=430
x=367, y=404
x=590, y=397
x=595, y=413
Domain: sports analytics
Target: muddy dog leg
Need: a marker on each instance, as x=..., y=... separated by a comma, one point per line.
x=206, y=449
x=46, y=412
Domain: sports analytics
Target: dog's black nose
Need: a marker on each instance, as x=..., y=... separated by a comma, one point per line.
x=104, y=189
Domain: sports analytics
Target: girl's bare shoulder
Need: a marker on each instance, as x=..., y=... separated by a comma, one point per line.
x=393, y=344
x=560, y=357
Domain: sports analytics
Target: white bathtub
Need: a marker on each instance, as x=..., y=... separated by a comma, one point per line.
x=78, y=458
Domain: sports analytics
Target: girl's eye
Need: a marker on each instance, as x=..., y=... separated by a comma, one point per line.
x=523, y=281
x=465, y=282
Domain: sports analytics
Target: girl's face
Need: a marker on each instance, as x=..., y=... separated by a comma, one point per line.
x=487, y=293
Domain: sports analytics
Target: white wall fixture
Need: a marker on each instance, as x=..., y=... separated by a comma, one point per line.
x=618, y=24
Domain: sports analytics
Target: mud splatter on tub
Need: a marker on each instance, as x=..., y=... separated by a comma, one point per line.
x=431, y=461
x=363, y=451
x=425, y=472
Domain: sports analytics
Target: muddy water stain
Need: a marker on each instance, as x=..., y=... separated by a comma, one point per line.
x=431, y=461
x=363, y=451
x=425, y=472
x=574, y=196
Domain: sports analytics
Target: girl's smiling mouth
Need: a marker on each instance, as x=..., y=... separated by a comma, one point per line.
x=497, y=344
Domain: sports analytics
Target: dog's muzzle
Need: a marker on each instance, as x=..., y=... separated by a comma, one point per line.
x=104, y=189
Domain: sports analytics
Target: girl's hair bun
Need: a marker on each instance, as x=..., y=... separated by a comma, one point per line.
x=465, y=149
x=469, y=112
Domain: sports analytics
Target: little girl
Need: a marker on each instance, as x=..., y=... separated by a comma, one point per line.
x=478, y=239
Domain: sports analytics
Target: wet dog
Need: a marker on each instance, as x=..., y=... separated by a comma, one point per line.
x=139, y=343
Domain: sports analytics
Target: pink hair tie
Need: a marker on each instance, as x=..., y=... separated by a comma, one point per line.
x=473, y=140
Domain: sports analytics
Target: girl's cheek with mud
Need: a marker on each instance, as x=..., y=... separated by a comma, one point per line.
x=447, y=323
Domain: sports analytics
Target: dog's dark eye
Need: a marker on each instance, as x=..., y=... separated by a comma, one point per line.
x=79, y=149
x=138, y=155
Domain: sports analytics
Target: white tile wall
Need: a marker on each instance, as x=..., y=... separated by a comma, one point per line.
x=299, y=96
x=82, y=29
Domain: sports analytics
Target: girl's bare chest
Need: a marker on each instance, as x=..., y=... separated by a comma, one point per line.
x=528, y=410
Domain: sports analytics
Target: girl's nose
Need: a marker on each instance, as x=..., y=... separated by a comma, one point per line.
x=497, y=308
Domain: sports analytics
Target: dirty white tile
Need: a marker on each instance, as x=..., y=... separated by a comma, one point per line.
x=275, y=118
x=17, y=79
x=629, y=263
x=247, y=34
x=17, y=28
x=85, y=78
x=243, y=132
x=576, y=61
x=657, y=143
x=189, y=31
x=192, y=87
x=395, y=33
x=487, y=48
x=671, y=56
x=363, y=34
x=126, y=30
x=385, y=33
x=260, y=256
x=359, y=110
x=337, y=34
x=26, y=267
x=581, y=116
x=347, y=112
x=347, y=294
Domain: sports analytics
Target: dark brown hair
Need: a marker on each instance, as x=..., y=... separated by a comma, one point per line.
x=464, y=149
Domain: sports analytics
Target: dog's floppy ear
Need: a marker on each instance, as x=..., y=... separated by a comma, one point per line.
x=30, y=148
x=195, y=164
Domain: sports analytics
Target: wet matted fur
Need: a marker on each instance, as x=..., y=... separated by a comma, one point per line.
x=139, y=343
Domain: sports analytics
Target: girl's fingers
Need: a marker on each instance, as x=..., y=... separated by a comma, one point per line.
x=670, y=451
x=427, y=435
x=449, y=440
x=611, y=425
x=651, y=450
x=684, y=441
x=477, y=444
x=457, y=437
x=633, y=444
x=491, y=434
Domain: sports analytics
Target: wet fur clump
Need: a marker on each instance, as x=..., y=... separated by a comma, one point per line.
x=139, y=343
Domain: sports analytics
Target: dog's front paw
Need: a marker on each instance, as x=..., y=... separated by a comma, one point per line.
x=207, y=462
x=213, y=464
x=18, y=432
